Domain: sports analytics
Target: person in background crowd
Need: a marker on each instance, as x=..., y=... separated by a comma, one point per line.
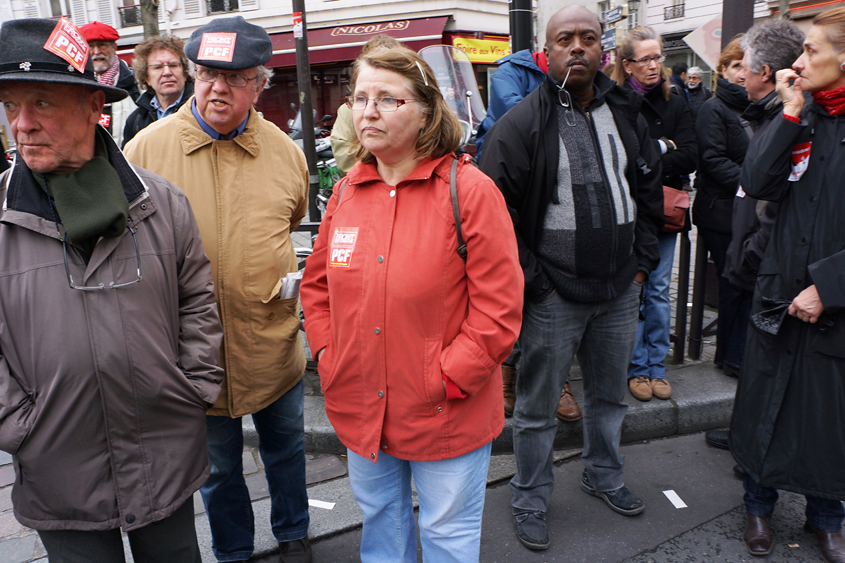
x=109, y=334
x=722, y=142
x=672, y=131
x=111, y=71
x=408, y=335
x=677, y=82
x=161, y=69
x=697, y=92
x=517, y=75
x=582, y=181
x=769, y=47
x=788, y=425
x=233, y=164
x=343, y=138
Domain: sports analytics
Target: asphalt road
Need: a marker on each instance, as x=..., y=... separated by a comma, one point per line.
x=583, y=529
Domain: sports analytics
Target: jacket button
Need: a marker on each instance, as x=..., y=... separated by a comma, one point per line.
x=372, y=456
x=384, y=447
x=803, y=239
x=143, y=206
x=377, y=330
x=271, y=316
x=380, y=259
x=130, y=518
x=392, y=193
x=658, y=121
x=381, y=393
x=813, y=199
x=439, y=409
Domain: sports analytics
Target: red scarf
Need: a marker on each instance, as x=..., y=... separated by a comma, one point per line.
x=110, y=75
x=831, y=100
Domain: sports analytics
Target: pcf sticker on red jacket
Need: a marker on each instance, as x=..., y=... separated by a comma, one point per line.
x=342, y=246
x=800, y=161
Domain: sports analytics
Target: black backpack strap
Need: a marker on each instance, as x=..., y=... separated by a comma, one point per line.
x=340, y=191
x=453, y=188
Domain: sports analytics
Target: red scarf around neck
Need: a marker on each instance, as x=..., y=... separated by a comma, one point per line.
x=831, y=100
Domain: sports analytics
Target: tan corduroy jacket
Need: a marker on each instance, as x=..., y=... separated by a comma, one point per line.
x=248, y=194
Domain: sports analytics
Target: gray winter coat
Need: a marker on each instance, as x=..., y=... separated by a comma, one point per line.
x=788, y=427
x=103, y=393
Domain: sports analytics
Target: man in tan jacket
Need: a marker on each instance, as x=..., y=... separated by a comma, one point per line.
x=248, y=184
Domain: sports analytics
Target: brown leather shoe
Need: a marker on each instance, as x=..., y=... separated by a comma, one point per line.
x=832, y=543
x=758, y=535
x=661, y=388
x=508, y=380
x=640, y=387
x=567, y=408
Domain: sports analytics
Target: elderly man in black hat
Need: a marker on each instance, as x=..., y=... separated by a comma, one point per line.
x=109, y=332
x=248, y=185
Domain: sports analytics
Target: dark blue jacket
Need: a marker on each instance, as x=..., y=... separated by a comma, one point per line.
x=517, y=76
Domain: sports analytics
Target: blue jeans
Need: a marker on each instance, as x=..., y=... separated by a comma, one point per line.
x=553, y=331
x=824, y=514
x=652, y=343
x=451, y=496
x=281, y=443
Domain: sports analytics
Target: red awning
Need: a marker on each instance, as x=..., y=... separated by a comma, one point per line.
x=344, y=42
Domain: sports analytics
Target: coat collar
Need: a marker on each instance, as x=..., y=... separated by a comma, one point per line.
x=193, y=138
x=363, y=173
x=26, y=204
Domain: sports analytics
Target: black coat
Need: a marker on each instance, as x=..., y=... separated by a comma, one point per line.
x=722, y=143
x=752, y=220
x=788, y=427
x=671, y=119
x=146, y=113
x=126, y=81
x=521, y=154
x=697, y=97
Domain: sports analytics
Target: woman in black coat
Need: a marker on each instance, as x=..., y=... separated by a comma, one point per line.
x=670, y=126
x=788, y=427
x=722, y=143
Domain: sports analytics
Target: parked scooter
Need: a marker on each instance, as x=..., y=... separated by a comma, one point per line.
x=295, y=126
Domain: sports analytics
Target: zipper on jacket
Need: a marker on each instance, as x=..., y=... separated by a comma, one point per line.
x=613, y=231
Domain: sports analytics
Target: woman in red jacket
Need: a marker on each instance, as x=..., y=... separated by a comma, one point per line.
x=410, y=336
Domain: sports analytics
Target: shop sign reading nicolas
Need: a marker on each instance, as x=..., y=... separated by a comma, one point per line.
x=370, y=29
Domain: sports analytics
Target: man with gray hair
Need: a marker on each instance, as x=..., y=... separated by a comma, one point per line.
x=698, y=92
x=769, y=47
x=248, y=184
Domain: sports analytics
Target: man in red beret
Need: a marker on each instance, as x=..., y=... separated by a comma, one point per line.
x=111, y=71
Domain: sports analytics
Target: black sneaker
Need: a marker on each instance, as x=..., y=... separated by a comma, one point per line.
x=621, y=500
x=717, y=439
x=532, y=531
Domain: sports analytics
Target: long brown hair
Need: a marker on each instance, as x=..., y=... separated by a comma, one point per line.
x=442, y=132
x=629, y=47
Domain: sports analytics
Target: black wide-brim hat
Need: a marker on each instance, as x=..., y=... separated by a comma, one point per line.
x=23, y=58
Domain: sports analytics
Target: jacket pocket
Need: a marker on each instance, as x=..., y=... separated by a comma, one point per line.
x=325, y=367
x=432, y=377
x=828, y=337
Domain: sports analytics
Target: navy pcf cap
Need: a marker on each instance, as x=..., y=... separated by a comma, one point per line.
x=229, y=44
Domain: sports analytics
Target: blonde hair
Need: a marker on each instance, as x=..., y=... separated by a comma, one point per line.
x=834, y=22
x=629, y=47
x=442, y=131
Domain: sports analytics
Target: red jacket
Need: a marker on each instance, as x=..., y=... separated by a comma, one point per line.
x=387, y=295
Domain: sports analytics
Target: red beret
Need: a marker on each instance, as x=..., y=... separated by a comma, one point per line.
x=98, y=31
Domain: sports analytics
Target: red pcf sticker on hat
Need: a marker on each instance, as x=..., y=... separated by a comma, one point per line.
x=217, y=47
x=342, y=245
x=67, y=42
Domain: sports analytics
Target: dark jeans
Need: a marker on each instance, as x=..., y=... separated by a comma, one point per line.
x=281, y=443
x=165, y=541
x=825, y=514
x=734, y=305
x=553, y=331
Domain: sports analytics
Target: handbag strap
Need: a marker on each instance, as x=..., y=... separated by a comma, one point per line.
x=456, y=211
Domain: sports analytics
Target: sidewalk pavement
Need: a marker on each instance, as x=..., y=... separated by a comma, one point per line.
x=702, y=398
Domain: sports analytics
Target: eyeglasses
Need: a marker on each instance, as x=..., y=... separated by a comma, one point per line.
x=234, y=80
x=112, y=285
x=359, y=103
x=645, y=61
x=160, y=66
